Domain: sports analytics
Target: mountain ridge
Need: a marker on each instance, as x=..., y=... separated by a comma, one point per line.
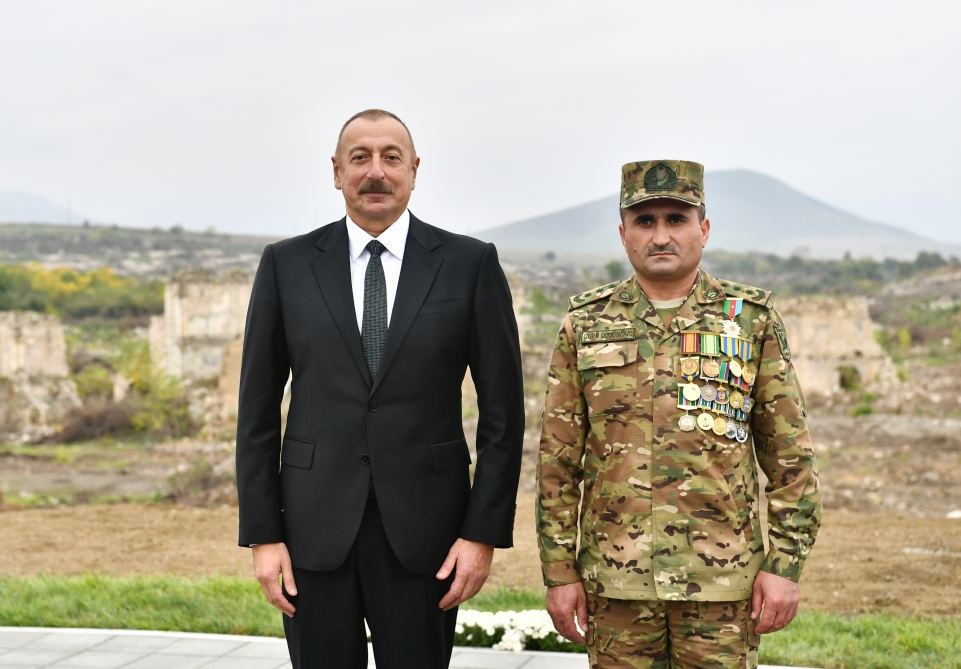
x=741, y=205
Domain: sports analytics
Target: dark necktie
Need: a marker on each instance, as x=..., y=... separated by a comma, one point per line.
x=374, y=330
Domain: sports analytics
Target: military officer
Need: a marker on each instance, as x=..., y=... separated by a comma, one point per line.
x=666, y=392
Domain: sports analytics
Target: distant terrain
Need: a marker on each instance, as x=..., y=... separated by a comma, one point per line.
x=748, y=211
x=29, y=208
x=159, y=252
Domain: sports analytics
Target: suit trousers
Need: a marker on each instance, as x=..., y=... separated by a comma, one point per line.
x=408, y=629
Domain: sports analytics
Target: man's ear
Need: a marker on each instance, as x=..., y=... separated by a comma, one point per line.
x=337, y=182
x=413, y=178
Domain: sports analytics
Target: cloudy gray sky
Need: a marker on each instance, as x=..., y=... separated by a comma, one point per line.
x=224, y=113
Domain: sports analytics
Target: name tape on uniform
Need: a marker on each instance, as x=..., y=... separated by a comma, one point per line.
x=594, y=336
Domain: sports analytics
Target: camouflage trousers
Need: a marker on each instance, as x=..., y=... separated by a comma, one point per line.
x=629, y=634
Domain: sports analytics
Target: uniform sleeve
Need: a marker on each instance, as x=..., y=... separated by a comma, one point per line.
x=782, y=443
x=560, y=463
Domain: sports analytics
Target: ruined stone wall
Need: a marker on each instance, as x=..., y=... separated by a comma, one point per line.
x=826, y=334
x=200, y=319
x=36, y=391
x=199, y=340
x=31, y=343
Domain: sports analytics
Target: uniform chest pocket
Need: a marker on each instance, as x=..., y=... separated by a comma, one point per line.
x=609, y=376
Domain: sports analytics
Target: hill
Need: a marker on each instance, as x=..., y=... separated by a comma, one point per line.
x=748, y=211
x=25, y=207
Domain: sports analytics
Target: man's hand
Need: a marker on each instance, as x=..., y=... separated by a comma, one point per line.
x=471, y=563
x=271, y=561
x=563, y=603
x=779, y=598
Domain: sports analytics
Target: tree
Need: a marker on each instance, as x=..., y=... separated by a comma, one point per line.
x=928, y=260
x=615, y=270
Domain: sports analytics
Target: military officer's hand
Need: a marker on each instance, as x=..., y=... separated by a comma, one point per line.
x=779, y=598
x=563, y=603
x=271, y=561
x=471, y=563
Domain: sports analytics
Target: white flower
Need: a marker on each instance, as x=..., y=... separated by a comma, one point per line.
x=517, y=627
x=512, y=640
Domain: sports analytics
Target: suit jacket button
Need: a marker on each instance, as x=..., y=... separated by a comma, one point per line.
x=372, y=406
x=365, y=459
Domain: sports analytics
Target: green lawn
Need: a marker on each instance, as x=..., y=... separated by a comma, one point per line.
x=235, y=606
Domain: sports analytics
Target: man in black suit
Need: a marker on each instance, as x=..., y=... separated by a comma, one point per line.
x=367, y=511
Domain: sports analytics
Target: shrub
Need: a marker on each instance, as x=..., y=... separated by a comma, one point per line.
x=162, y=409
x=156, y=404
x=849, y=377
x=200, y=483
x=865, y=406
x=75, y=294
x=94, y=381
x=94, y=419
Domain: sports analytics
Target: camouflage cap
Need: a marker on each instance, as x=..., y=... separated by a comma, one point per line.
x=651, y=179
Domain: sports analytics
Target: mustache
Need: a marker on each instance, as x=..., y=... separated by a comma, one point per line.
x=654, y=249
x=375, y=187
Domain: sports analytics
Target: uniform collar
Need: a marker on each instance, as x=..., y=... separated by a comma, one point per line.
x=706, y=290
x=627, y=291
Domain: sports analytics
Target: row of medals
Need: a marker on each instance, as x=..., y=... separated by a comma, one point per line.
x=717, y=399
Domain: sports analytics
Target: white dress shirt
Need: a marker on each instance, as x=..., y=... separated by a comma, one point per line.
x=394, y=240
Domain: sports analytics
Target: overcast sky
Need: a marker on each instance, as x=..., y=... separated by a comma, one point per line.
x=224, y=113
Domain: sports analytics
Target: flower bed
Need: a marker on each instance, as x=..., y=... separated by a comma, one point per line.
x=510, y=630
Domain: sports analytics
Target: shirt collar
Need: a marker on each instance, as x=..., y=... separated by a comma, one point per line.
x=394, y=238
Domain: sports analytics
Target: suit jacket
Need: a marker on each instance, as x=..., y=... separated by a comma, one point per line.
x=402, y=430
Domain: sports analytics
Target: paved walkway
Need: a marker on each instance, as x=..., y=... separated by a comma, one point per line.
x=36, y=648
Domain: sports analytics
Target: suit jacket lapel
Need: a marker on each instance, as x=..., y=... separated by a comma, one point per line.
x=416, y=277
x=332, y=272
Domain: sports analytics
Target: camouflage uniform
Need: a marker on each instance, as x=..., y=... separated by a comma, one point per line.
x=633, y=634
x=669, y=514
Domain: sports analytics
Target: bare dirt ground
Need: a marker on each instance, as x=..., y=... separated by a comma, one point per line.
x=52, y=475
x=862, y=561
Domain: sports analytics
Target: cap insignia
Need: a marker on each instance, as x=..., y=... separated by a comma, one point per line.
x=660, y=177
